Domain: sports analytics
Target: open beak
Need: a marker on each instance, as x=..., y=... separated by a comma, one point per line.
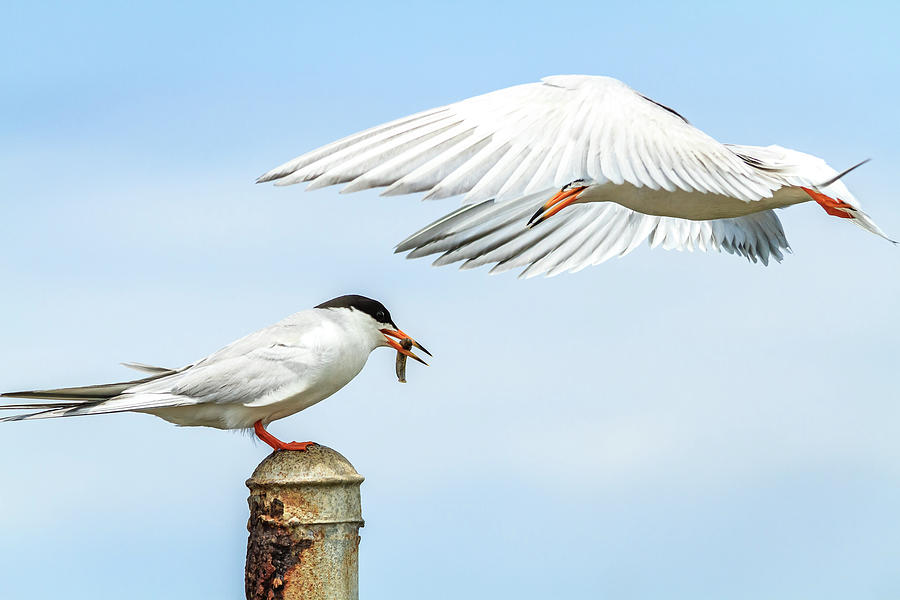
x=388, y=333
x=562, y=199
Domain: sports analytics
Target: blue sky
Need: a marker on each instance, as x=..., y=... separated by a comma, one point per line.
x=667, y=425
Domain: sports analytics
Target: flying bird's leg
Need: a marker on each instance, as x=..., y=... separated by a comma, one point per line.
x=833, y=206
x=277, y=444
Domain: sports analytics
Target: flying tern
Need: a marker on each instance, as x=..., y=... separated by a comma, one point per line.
x=606, y=167
x=267, y=375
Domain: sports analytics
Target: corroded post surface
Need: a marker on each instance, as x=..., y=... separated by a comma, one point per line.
x=304, y=527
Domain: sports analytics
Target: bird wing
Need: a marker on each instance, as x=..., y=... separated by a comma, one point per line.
x=258, y=377
x=584, y=234
x=262, y=367
x=533, y=138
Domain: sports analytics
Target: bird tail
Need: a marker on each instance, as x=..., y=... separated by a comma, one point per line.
x=814, y=176
x=63, y=402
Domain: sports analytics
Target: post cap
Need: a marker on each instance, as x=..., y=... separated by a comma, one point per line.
x=317, y=465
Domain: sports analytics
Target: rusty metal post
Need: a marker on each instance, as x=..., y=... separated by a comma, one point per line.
x=304, y=525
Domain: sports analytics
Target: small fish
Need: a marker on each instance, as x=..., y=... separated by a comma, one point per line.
x=400, y=364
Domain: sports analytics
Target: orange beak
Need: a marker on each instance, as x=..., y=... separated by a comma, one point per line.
x=562, y=199
x=388, y=333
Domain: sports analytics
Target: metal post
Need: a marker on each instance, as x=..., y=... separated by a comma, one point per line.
x=304, y=525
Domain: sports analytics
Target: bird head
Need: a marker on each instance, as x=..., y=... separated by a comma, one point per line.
x=374, y=315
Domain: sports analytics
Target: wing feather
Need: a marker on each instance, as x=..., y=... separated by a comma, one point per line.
x=564, y=128
x=582, y=235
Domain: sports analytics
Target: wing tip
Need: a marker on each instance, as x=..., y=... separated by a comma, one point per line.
x=23, y=394
x=270, y=176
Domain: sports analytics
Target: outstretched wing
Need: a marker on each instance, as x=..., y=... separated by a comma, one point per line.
x=582, y=235
x=533, y=138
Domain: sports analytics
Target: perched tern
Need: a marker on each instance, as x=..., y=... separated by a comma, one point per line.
x=267, y=375
x=618, y=169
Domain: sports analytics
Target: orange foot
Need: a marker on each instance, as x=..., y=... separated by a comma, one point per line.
x=295, y=445
x=833, y=206
x=277, y=444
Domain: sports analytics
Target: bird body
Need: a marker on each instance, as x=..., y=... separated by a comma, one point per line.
x=693, y=206
x=268, y=375
x=644, y=172
x=264, y=376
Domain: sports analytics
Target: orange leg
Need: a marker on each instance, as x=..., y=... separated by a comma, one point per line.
x=277, y=444
x=831, y=205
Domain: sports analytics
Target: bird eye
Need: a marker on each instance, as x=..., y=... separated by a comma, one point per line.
x=380, y=316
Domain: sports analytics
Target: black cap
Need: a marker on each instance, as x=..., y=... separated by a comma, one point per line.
x=373, y=308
